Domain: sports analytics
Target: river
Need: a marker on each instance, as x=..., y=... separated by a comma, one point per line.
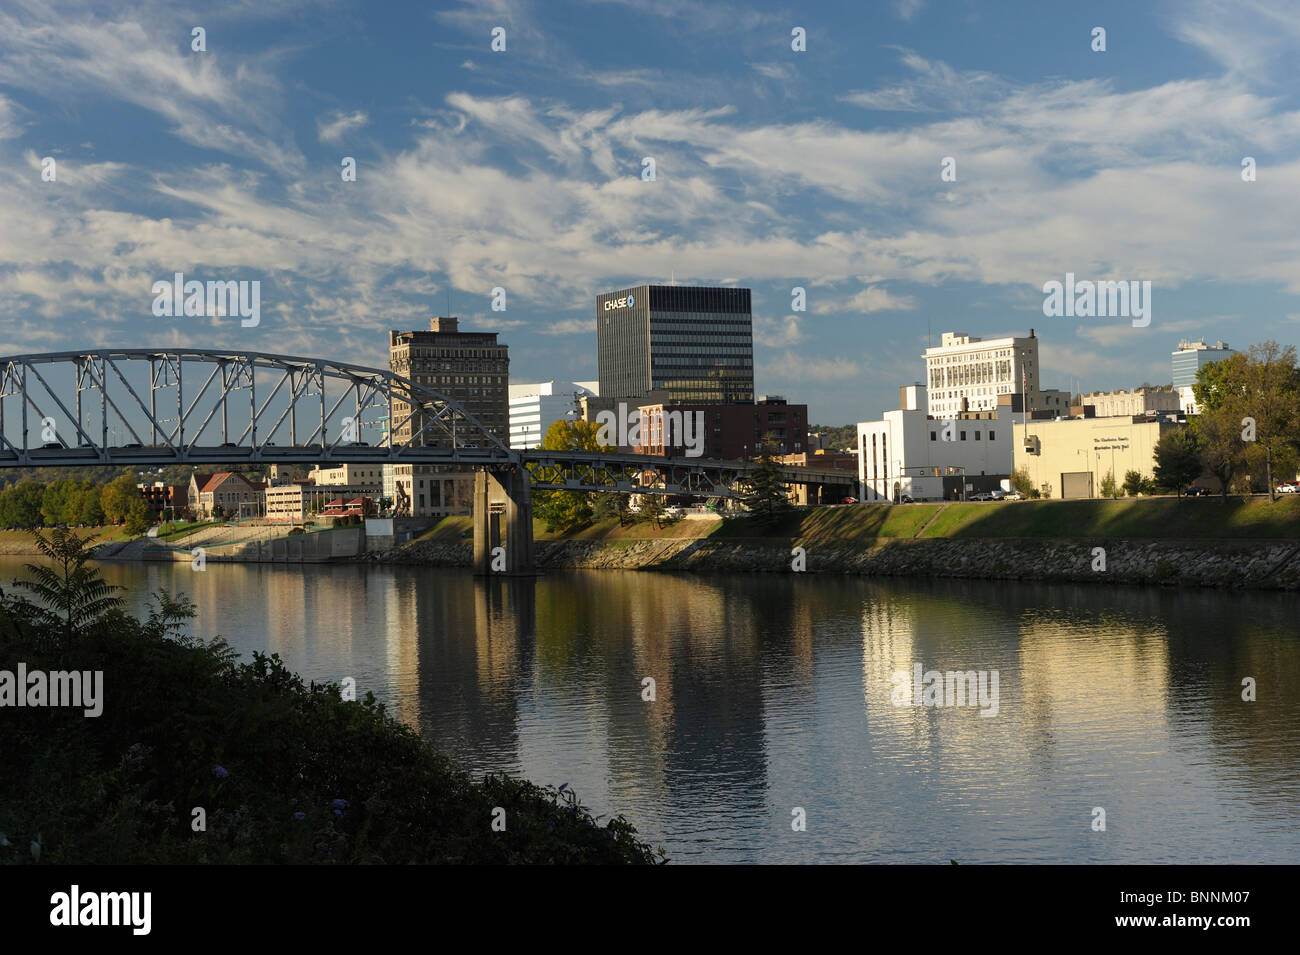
x=774, y=694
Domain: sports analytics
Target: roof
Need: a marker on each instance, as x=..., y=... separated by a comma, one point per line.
x=220, y=478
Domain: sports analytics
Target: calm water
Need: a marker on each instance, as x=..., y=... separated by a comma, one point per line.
x=774, y=693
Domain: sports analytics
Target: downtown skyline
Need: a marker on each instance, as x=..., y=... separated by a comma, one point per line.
x=775, y=170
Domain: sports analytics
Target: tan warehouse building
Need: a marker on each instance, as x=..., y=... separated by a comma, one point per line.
x=1070, y=458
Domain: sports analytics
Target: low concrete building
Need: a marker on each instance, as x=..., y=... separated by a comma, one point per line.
x=1139, y=401
x=909, y=453
x=1070, y=458
x=349, y=475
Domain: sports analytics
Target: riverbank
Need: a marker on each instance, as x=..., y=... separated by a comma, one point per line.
x=1243, y=544
x=189, y=756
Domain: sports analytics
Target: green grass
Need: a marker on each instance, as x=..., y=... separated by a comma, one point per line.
x=177, y=531
x=1163, y=518
x=1160, y=518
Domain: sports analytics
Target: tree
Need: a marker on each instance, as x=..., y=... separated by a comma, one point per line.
x=1178, y=459
x=117, y=496
x=20, y=505
x=139, y=517
x=566, y=510
x=768, y=497
x=1108, y=484
x=74, y=594
x=1257, y=395
x=1022, y=482
x=651, y=509
x=610, y=507
x=59, y=502
x=1218, y=436
x=90, y=510
x=1132, y=483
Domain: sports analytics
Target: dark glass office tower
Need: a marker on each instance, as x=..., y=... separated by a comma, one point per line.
x=696, y=344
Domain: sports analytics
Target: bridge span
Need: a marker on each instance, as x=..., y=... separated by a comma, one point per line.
x=157, y=407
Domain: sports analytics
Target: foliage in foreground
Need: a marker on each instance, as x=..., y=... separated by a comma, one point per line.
x=286, y=773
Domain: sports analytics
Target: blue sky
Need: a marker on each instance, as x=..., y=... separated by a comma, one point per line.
x=774, y=169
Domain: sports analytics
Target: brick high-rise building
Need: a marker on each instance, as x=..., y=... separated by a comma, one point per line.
x=472, y=369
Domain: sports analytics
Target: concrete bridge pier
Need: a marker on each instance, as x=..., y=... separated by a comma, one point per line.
x=503, y=522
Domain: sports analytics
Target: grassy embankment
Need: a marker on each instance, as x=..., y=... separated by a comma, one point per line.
x=19, y=542
x=1154, y=519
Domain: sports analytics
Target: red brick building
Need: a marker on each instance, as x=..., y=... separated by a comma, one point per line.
x=731, y=432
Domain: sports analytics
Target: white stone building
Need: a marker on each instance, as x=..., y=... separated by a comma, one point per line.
x=909, y=453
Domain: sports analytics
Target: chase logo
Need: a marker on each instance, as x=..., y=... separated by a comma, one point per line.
x=626, y=301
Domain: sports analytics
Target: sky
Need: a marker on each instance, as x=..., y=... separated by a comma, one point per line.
x=775, y=169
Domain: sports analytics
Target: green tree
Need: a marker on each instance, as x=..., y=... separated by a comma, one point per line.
x=1252, y=405
x=74, y=594
x=116, y=498
x=59, y=502
x=651, y=509
x=1108, y=486
x=1132, y=483
x=1218, y=435
x=1178, y=459
x=1270, y=395
x=767, y=497
x=89, y=510
x=21, y=505
x=1022, y=482
x=566, y=510
x=139, y=518
x=611, y=506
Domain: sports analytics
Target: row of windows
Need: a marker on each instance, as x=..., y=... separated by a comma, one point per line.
x=962, y=436
x=971, y=356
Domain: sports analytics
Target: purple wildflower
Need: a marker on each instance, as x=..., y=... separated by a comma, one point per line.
x=220, y=772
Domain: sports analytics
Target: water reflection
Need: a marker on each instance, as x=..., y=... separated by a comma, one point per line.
x=774, y=692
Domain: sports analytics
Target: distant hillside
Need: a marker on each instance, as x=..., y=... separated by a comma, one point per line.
x=842, y=437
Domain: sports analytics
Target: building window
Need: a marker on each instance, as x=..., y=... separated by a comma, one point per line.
x=991, y=438
x=963, y=435
x=932, y=437
x=977, y=435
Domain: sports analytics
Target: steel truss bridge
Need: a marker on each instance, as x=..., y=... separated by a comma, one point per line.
x=147, y=407
x=150, y=407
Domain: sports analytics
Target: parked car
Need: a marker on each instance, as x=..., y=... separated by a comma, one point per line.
x=906, y=499
x=1195, y=491
x=981, y=496
x=1288, y=487
x=673, y=511
x=849, y=500
x=997, y=495
x=1013, y=496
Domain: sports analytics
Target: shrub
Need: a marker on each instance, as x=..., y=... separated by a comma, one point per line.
x=286, y=772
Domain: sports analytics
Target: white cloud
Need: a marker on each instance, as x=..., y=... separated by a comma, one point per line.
x=332, y=127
